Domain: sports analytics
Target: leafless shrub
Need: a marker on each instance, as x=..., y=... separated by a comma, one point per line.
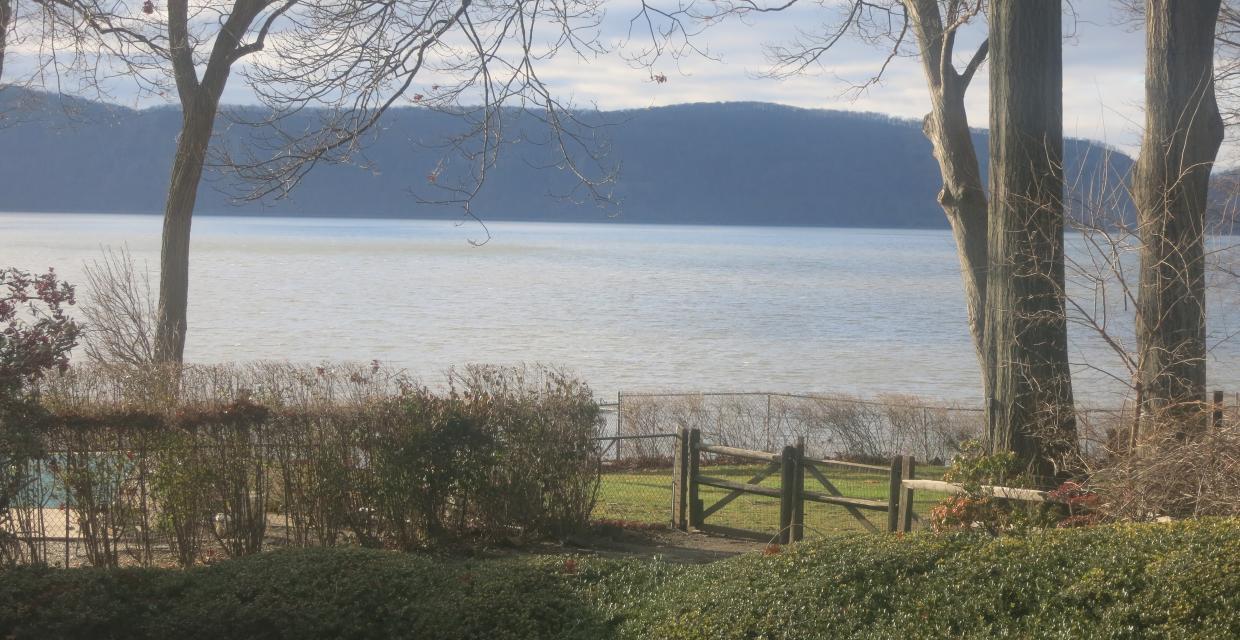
x=839, y=426
x=119, y=310
x=1175, y=475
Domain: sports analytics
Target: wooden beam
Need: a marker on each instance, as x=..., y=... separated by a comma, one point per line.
x=831, y=489
x=1007, y=493
x=719, y=483
x=842, y=463
x=723, y=502
x=908, y=469
x=893, y=494
x=798, y=496
x=693, y=460
x=734, y=452
x=855, y=503
x=787, y=494
x=680, y=482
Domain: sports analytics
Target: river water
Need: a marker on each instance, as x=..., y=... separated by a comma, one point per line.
x=628, y=307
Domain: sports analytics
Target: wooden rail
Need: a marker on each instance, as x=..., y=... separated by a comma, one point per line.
x=689, y=513
x=857, y=503
x=1007, y=493
x=719, y=483
x=734, y=452
x=851, y=465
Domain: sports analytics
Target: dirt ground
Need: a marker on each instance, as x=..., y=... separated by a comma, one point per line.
x=603, y=540
x=663, y=543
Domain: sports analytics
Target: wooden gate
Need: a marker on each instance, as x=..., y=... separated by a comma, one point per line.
x=689, y=512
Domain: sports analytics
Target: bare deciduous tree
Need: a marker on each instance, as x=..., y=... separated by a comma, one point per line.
x=351, y=60
x=1171, y=183
x=1227, y=61
x=1031, y=409
x=6, y=20
x=932, y=26
x=963, y=196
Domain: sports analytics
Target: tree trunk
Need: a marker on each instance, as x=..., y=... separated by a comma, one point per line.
x=196, y=125
x=1031, y=409
x=6, y=16
x=963, y=196
x=1183, y=131
x=964, y=201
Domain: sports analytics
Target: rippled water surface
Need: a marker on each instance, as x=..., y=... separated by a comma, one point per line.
x=628, y=307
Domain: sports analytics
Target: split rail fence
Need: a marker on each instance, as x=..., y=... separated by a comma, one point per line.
x=690, y=511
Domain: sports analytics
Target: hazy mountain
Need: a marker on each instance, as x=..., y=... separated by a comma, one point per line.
x=728, y=163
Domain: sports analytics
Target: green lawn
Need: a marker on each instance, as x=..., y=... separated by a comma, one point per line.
x=646, y=496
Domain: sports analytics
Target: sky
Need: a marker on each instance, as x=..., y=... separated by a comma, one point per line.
x=1103, y=70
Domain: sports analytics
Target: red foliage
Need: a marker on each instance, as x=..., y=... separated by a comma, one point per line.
x=36, y=333
x=1075, y=495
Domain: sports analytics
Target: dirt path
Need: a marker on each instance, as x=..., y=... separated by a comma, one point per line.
x=666, y=544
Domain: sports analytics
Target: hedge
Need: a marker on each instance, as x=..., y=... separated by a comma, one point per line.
x=180, y=464
x=1179, y=580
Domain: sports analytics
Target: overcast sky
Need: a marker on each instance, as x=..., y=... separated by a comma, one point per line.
x=1103, y=71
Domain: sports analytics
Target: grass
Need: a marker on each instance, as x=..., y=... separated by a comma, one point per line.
x=646, y=496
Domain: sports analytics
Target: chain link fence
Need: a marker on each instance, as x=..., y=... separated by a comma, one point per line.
x=46, y=524
x=638, y=470
x=832, y=426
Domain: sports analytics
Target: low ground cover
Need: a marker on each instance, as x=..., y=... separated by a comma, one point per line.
x=1178, y=580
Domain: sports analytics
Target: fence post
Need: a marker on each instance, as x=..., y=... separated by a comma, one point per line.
x=694, y=460
x=893, y=494
x=680, y=482
x=1216, y=417
x=787, y=492
x=619, y=422
x=798, y=499
x=908, y=468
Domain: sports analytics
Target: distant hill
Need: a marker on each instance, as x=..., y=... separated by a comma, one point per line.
x=721, y=163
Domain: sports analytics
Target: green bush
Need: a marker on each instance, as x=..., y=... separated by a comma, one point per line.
x=339, y=593
x=1123, y=581
x=1178, y=580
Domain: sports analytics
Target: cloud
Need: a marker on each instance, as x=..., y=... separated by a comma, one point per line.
x=1103, y=70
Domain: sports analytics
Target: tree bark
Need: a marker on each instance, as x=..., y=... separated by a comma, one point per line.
x=1183, y=131
x=963, y=195
x=1031, y=409
x=196, y=127
x=200, y=102
x=6, y=16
